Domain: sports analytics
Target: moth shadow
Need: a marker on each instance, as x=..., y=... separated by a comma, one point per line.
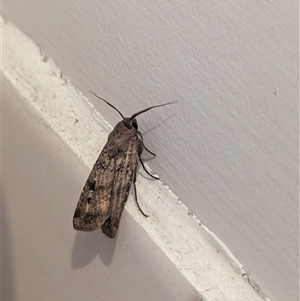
x=158, y=125
x=88, y=245
x=147, y=157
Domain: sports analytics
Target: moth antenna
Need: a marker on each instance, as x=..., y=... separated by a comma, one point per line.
x=108, y=104
x=145, y=110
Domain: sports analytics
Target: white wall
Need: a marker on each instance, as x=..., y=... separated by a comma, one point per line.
x=229, y=149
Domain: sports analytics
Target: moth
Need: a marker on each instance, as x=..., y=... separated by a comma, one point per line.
x=106, y=190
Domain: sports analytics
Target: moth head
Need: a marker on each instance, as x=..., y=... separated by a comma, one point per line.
x=130, y=123
x=134, y=123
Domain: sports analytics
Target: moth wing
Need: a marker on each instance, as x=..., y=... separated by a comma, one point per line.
x=124, y=175
x=94, y=205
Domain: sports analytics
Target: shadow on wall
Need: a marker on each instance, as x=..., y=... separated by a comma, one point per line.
x=88, y=245
x=7, y=266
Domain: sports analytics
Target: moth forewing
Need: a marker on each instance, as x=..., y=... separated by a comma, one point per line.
x=124, y=178
x=94, y=205
x=106, y=190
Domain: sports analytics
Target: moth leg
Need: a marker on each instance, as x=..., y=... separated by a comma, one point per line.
x=152, y=176
x=136, y=200
x=149, y=150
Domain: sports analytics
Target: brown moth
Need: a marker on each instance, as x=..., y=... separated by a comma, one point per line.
x=106, y=190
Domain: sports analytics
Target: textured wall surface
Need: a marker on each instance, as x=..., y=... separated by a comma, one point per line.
x=231, y=153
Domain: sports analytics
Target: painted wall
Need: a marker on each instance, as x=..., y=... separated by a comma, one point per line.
x=231, y=153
